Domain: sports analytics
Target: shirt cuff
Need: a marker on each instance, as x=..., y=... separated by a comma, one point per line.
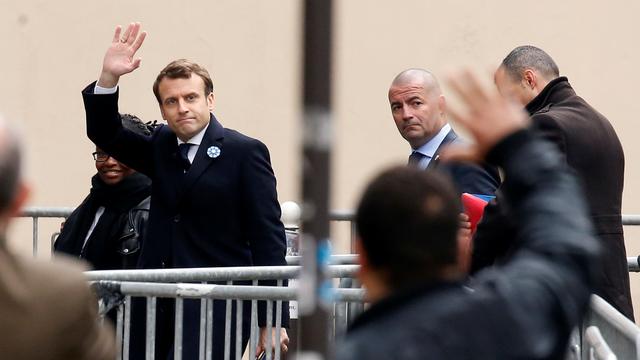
x=100, y=90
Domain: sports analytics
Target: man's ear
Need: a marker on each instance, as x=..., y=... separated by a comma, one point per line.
x=530, y=78
x=23, y=192
x=359, y=249
x=210, y=101
x=162, y=113
x=442, y=106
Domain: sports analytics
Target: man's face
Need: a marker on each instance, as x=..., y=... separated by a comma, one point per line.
x=110, y=170
x=511, y=88
x=184, y=105
x=418, y=112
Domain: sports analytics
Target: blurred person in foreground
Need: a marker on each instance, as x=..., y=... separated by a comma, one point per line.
x=407, y=223
x=47, y=310
x=588, y=145
x=108, y=228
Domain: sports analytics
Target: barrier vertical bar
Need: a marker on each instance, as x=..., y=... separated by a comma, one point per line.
x=239, y=310
x=278, y=324
x=127, y=328
x=35, y=236
x=269, y=329
x=209, y=341
x=177, y=337
x=254, y=326
x=203, y=328
x=119, y=330
x=227, y=328
x=150, y=343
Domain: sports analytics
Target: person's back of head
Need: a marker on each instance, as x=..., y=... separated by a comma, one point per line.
x=407, y=222
x=530, y=57
x=524, y=73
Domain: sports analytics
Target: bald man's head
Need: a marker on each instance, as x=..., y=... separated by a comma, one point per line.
x=417, y=106
x=415, y=75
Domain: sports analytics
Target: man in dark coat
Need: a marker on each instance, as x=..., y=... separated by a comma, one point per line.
x=525, y=309
x=213, y=200
x=589, y=146
x=419, y=110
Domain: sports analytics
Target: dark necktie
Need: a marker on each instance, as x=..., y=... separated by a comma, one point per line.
x=414, y=158
x=184, y=158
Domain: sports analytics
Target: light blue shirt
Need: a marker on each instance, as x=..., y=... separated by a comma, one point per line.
x=429, y=148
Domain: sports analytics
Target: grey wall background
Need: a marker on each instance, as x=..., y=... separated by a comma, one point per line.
x=51, y=50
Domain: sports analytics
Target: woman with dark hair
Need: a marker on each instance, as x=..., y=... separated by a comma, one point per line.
x=108, y=228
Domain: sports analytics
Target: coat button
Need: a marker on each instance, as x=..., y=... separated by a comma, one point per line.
x=126, y=251
x=176, y=218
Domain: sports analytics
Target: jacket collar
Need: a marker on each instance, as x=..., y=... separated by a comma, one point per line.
x=387, y=306
x=451, y=136
x=555, y=91
x=213, y=137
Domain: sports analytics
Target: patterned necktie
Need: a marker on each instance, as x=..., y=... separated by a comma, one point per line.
x=414, y=158
x=184, y=158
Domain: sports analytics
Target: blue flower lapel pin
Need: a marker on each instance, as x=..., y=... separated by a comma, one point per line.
x=213, y=152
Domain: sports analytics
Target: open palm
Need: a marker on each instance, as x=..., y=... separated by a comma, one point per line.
x=119, y=58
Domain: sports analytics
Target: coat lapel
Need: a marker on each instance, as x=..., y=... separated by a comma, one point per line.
x=213, y=137
x=451, y=136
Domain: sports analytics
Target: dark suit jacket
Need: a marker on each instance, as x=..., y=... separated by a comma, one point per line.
x=223, y=212
x=470, y=178
x=592, y=150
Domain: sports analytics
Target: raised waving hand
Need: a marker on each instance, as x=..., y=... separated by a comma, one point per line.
x=120, y=56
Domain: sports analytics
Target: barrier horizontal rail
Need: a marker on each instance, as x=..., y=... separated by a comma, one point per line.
x=215, y=273
x=633, y=263
x=596, y=346
x=219, y=292
x=621, y=334
x=334, y=215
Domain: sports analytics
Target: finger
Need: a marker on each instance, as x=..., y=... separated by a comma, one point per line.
x=284, y=348
x=463, y=217
x=458, y=83
x=136, y=64
x=134, y=33
x=461, y=153
x=259, y=350
x=127, y=31
x=461, y=118
x=116, y=35
x=136, y=44
x=475, y=88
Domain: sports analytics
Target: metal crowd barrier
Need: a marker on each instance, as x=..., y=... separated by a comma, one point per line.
x=605, y=333
x=178, y=284
x=620, y=335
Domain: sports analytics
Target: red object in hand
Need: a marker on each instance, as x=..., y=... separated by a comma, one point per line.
x=474, y=208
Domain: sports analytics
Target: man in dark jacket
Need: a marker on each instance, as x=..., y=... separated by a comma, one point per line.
x=589, y=146
x=108, y=228
x=522, y=310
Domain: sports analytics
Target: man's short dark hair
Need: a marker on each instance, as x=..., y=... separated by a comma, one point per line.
x=408, y=221
x=10, y=168
x=133, y=123
x=182, y=69
x=530, y=57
